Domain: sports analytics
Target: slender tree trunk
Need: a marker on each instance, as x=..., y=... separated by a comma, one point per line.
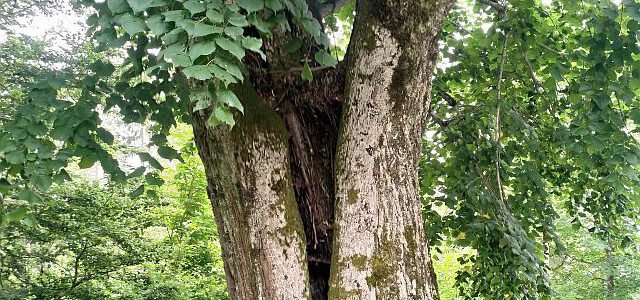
x=610, y=280
x=313, y=205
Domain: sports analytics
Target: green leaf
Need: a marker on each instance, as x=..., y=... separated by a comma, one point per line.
x=37, y=129
x=153, y=179
x=231, y=46
x=306, y=72
x=168, y=152
x=254, y=45
x=180, y=60
x=251, y=43
x=230, y=67
x=633, y=9
x=101, y=68
x=229, y=98
x=157, y=25
x=251, y=5
x=172, y=50
x=311, y=26
x=105, y=135
x=259, y=23
x=117, y=6
x=131, y=24
x=137, y=192
x=6, y=144
x=221, y=115
x=146, y=157
x=202, y=48
x=15, y=157
x=199, y=72
x=237, y=19
x=194, y=6
x=234, y=32
x=151, y=194
x=137, y=172
x=61, y=133
x=87, y=161
x=41, y=182
x=173, y=15
x=15, y=215
x=173, y=36
x=200, y=30
x=222, y=75
x=325, y=59
x=274, y=5
x=201, y=104
x=142, y=5
x=215, y=16
x=634, y=114
x=61, y=177
x=29, y=195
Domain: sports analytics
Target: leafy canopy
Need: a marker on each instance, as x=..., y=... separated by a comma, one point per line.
x=180, y=59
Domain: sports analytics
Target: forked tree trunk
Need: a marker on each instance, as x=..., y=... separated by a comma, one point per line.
x=311, y=205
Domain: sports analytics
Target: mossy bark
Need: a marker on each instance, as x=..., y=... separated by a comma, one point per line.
x=250, y=187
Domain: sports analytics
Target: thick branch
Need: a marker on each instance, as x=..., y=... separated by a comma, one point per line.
x=495, y=5
x=331, y=7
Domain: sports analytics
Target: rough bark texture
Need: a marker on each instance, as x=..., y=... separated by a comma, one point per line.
x=250, y=187
x=380, y=249
x=313, y=205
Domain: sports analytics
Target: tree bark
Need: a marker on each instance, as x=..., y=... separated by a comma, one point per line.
x=380, y=247
x=313, y=205
x=249, y=184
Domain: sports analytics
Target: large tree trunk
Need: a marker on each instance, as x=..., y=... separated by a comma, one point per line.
x=313, y=205
x=380, y=248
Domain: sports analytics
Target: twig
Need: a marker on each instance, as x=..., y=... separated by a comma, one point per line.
x=298, y=69
x=551, y=49
x=441, y=122
x=498, y=108
x=536, y=84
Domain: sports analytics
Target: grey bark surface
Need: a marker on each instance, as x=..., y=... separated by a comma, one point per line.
x=380, y=249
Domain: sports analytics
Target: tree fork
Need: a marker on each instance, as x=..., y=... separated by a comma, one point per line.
x=316, y=197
